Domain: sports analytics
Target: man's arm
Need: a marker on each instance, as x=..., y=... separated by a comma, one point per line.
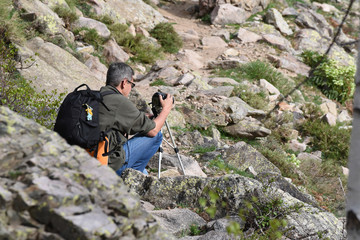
x=167, y=105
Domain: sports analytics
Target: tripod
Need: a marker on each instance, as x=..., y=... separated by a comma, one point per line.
x=156, y=109
x=173, y=146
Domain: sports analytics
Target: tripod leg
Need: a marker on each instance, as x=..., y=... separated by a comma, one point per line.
x=160, y=157
x=175, y=148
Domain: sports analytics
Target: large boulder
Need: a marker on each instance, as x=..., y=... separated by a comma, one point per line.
x=99, y=27
x=55, y=68
x=250, y=6
x=188, y=190
x=309, y=39
x=228, y=14
x=136, y=12
x=274, y=17
x=311, y=19
x=242, y=156
x=48, y=21
x=59, y=191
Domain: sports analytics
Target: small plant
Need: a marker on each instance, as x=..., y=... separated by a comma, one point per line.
x=195, y=230
x=332, y=141
x=90, y=36
x=167, y=36
x=158, y=82
x=17, y=93
x=206, y=18
x=293, y=159
x=142, y=50
x=334, y=80
x=200, y=149
x=67, y=14
x=257, y=70
x=221, y=165
x=255, y=100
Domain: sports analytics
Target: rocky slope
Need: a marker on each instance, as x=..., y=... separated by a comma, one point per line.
x=51, y=190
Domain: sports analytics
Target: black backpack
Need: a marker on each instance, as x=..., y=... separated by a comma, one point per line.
x=78, y=118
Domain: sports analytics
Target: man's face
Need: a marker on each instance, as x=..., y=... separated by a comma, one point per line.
x=128, y=85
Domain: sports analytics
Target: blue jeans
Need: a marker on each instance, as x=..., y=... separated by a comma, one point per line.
x=139, y=150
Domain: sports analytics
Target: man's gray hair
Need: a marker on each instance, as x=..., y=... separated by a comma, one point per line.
x=117, y=72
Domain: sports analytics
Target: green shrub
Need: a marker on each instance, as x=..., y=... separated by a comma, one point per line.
x=90, y=36
x=17, y=94
x=142, y=50
x=257, y=70
x=334, y=80
x=158, y=82
x=167, y=36
x=332, y=141
x=206, y=18
x=12, y=27
x=255, y=100
x=67, y=14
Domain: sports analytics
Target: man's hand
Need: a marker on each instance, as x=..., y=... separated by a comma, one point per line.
x=166, y=103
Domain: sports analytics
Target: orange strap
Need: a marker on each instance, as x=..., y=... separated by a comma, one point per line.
x=100, y=152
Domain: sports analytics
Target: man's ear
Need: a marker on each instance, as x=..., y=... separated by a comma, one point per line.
x=122, y=84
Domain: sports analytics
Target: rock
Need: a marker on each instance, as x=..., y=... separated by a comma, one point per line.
x=190, y=37
x=305, y=220
x=135, y=12
x=114, y=53
x=191, y=58
x=228, y=14
x=169, y=75
x=345, y=171
x=269, y=87
x=48, y=22
x=290, y=12
x=132, y=30
x=97, y=68
x=231, y=52
x=308, y=39
x=217, y=116
x=177, y=220
x=280, y=42
x=213, y=42
x=223, y=33
x=326, y=7
x=296, y=146
x=330, y=119
x=329, y=107
x=225, y=64
x=221, y=81
x=273, y=16
x=87, y=49
x=191, y=167
x=261, y=28
x=219, y=91
x=55, y=67
x=247, y=128
x=242, y=156
x=289, y=62
x=62, y=187
x=310, y=19
x=195, y=119
x=308, y=157
x=185, y=79
x=221, y=224
x=344, y=117
x=142, y=31
x=246, y=36
x=187, y=190
x=238, y=107
x=278, y=181
x=100, y=27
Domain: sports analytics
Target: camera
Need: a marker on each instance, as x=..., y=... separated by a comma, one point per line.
x=156, y=104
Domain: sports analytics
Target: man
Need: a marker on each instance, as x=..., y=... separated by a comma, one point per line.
x=125, y=119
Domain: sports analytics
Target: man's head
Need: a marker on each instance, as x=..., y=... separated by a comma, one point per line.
x=120, y=76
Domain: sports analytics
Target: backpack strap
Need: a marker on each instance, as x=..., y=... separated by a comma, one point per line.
x=103, y=95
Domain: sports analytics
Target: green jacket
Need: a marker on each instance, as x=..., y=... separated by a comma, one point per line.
x=123, y=117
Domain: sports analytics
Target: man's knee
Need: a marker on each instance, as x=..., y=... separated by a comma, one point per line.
x=158, y=138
